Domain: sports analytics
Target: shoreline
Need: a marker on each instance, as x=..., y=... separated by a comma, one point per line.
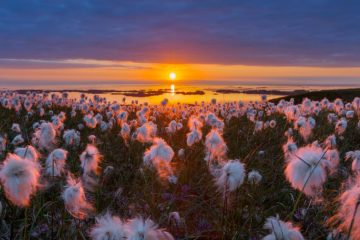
x=147, y=93
x=297, y=94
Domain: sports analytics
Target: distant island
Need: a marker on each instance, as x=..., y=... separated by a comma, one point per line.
x=298, y=95
x=345, y=94
x=261, y=91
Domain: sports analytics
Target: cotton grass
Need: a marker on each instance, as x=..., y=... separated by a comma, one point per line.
x=306, y=170
x=281, y=230
x=75, y=199
x=20, y=179
x=108, y=228
x=139, y=228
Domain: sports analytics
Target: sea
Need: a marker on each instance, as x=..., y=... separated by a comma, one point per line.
x=174, y=92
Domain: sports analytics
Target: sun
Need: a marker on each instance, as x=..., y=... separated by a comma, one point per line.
x=172, y=76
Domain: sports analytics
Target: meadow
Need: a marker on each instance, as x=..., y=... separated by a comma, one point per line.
x=92, y=169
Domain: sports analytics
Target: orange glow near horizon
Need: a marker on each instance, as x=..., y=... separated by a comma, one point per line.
x=115, y=71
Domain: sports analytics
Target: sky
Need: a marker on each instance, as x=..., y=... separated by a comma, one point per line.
x=290, y=41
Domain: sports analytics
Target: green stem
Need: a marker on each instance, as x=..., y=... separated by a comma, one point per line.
x=301, y=192
x=224, y=217
x=353, y=219
x=25, y=224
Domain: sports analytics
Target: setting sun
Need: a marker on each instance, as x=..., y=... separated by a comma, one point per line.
x=172, y=76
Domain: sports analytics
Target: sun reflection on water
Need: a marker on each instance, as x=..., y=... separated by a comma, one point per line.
x=172, y=89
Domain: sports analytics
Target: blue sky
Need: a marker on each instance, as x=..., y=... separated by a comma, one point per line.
x=284, y=32
x=130, y=37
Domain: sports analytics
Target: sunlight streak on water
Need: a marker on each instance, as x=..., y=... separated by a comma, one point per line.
x=172, y=88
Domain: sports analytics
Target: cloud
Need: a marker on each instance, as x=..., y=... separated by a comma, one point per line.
x=301, y=33
x=69, y=63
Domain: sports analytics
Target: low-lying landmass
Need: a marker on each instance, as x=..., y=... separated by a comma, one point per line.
x=297, y=94
x=344, y=94
x=149, y=93
x=261, y=91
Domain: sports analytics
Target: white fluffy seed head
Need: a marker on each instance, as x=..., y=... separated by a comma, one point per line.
x=306, y=170
x=193, y=137
x=44, y=137
x=215, y=146
x=333, y=157
x=289, y=148
x=194, y=123
x=90, y=121
x=172, y=127
x=28, y=152
x=305, y=126
x=174, y=217
x=281, y=230
x=349, y=209
x=108, y=227
x=181, y=153
x=212, y=120
x=330, y=142
x=55, y=162
x=259, y=125
x=355, y=157
x=16, y=128
x=146, y=132
x=90, y=159
x=139, y=228
x=160, y=155
x=17, y=140
x=292, y=113
x=20, y=179
x=254, y=177
x=160, y=150
x=75, y=199
x=231, y=177
x=125, y=131
x=72, y=137
x=341, y=126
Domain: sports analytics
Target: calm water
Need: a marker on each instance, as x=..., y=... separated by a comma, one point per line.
x=172, y=89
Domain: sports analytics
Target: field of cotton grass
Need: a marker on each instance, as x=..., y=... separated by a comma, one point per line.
x=90, y=169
